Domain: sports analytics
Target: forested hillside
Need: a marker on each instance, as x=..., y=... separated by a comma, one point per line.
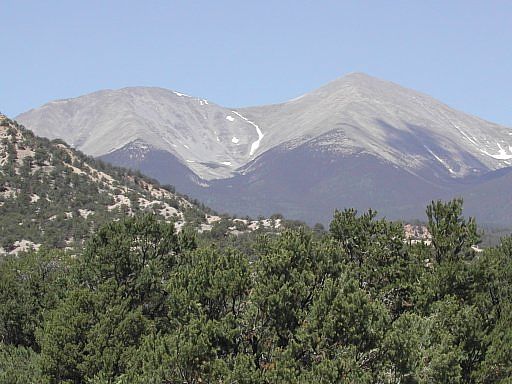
x=55, y=196
x=359, y=304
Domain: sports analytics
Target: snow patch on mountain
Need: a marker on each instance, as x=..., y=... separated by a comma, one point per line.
x=180, y=94
x=502, y=153
x=255, y=145
x=471, y=140
x=440, y=160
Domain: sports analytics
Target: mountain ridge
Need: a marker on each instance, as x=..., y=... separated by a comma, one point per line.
x=208, y=147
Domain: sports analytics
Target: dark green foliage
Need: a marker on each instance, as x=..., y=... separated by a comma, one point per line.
x=19, y=365
x=452, y=235
x=144, y=304
x=120, y=296
x=377, y=254
x=30, y=285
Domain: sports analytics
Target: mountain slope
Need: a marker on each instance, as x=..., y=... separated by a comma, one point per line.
x=209, y=139
x=158, y=164
x=308, y=184
x=396, y=124
x=491, y=198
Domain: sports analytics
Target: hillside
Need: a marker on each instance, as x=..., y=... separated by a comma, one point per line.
x=53, y=195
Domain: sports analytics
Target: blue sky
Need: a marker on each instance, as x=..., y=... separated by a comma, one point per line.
x=240, y=53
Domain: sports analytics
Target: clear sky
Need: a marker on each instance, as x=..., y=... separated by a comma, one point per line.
x=240, y=53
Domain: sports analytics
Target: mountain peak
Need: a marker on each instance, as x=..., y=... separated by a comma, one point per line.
x=358, y=75
x=361, y=81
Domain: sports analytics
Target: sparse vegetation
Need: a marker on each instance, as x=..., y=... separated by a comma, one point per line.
x=54, y=196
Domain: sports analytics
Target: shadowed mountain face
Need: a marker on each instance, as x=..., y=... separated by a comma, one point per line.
x=156, y=163
x=490, y=199
x=358, y=141
x=307, y=183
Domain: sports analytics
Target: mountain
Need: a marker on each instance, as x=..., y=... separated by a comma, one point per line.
x=357, y=141
x=210, y=140
x=55, y=196
x=406, y=128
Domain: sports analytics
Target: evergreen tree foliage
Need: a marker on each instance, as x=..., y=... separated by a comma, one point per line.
x=145, y=304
